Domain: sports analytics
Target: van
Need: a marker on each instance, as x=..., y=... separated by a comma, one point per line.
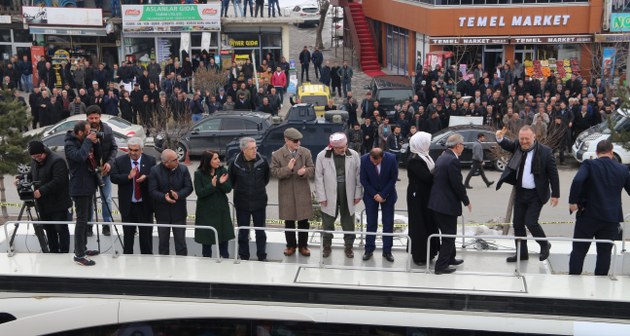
x=586, y=142
x=391, y=90
x=317, y=95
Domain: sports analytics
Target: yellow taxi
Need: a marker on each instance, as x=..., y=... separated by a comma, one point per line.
x=315, y=94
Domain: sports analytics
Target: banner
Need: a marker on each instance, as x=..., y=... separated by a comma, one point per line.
x=171, y=18
x=62, y=16
x=37, y=52
x=205, y=41
x=619, y=22
x=608, y=62
x=184, y=44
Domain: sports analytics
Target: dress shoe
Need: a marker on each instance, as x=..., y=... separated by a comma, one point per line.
x=367, y=256
x=513, y=258
x=263, y=259
x=420, y=263
x=289, y=251
x=447, y=270
x=468, y=187
x=326, y=252
x=349, y=253
x=304, y=251
x=456, y=262
x=106, y=231
x=544, y=252
x=489, y=184
x=388, y=256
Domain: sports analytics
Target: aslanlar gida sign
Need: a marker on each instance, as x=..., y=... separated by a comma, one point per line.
x=171, y=18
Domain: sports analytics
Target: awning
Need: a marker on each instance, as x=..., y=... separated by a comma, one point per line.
x=68, y=31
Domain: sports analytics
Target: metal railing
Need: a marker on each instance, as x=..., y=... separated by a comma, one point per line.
x=517, y=271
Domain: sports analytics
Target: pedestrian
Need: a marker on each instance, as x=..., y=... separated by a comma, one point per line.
x=335, y=81
x=293, y=166
x=305, y=62
x=477, y=162
x=596, y=198
x=259, y=7
x=345, y=74
x=249, y=174
x=532, y=170
x=251, y=8
x=325, y=73
x=317, y=58
x=338, y=190
x=279, y=81
x=212, y=184
x=446, y=199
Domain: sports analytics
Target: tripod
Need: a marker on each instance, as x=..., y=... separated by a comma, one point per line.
x=109, y=211
x=39, y=228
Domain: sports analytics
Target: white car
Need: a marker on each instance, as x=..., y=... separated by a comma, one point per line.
x=118, y=125
x=585, y=144
x=308, y=12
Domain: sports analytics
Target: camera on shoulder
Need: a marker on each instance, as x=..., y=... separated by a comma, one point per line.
x=99, y=134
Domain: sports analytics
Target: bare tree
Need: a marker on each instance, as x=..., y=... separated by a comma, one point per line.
x=323, y=10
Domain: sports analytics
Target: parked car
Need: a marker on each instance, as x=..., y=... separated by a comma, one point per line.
x=216, y=131
x=586, y=142
x=390, y=90
x=118, y=125
x=308, y=12
x=56, y=142
x=470, y=132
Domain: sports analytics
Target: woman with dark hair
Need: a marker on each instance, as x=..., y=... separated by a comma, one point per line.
x=126, y=112
x=212, y=184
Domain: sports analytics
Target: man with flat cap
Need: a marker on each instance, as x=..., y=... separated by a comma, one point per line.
x=293, y=166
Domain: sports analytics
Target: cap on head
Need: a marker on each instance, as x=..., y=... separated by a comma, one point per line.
x=36, y=147
x=292, y=134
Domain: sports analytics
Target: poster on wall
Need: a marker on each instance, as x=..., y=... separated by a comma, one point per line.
x=608, y=62
x=140, y=19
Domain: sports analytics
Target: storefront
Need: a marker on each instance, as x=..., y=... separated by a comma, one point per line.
x=241, y=41
x=14, y=39
x=165, y=31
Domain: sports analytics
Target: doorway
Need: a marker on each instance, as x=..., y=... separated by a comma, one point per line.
x=492, y=56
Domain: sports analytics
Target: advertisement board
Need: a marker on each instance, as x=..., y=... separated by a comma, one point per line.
x=171, y=18
x=620, y=22
x=63, y=16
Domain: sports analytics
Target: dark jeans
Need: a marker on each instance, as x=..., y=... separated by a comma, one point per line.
x=302, y=236
x=447, y=225
x=206, y=250
x=243, y=219
x=83, y=208
x=137, y=214
x=305, y=69
x=318, y=69
x=251, y=8
x=371, y=212
x=527, y=208
x=179, y=237
x=259, y=7
x=588, y=228
x=476, y=165
x=58, y=235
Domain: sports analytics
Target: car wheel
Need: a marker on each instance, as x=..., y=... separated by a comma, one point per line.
x=181, y=151
x=501, y=163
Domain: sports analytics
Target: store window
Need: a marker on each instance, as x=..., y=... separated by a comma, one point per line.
x=5, y=35
x=396, y=49
x=561, y=59
x=22, y=35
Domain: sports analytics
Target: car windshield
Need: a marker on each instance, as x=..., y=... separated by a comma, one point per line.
x=315, y=100
x=119, y=122
x=439, y=137
x=394, y=96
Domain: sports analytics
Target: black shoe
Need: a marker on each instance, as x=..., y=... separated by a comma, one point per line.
x=263, y=259
x=367, y=256
x=388, y=256
x=468, y=187
x=489, y=184
x=420, y=263
x=447, y=270
x=107, y=231
x=83, y=261
x=544, y=252
x=513, y=258
x=456, y=262
x=90, y=233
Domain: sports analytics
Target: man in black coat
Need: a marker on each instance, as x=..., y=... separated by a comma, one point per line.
x=305, y=62
x=52, y=197
x=169, y=185
x=131, y=174
x=249, y=174
x=532, y=169
x=596, y=196
x=447, y=195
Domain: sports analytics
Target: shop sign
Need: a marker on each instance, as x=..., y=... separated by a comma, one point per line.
x=468, y=40
x=67, y=31
x=611, y=38
x=619, y=22
x=171, y=18
x=67, y=16
x=514, y=21
x=243, y=43
x=557, y=39
x=6, y=19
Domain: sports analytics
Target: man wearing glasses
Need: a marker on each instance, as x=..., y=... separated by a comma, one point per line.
x=169, y=185
x=446, y=198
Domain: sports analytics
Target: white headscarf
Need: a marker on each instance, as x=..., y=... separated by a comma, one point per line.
x=419, y=144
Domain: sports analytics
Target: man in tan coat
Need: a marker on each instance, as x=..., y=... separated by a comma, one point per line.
x=338, y=189
x=293, y=165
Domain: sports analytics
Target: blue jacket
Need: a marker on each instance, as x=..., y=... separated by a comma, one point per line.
x=448, y=192
x=384, y=183
x=82, y=177
x=596, y=188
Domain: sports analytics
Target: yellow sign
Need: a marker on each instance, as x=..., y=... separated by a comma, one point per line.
x=243, y=43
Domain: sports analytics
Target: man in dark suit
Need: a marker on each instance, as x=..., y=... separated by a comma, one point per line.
x=532, y=169
x=596, y=196
x=131, y=173
x=447, y=195
x=379, y=172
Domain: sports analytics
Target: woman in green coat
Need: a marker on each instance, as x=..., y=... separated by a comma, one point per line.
x=212, y=186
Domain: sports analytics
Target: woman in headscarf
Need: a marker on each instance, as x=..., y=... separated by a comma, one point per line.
x=421, y=225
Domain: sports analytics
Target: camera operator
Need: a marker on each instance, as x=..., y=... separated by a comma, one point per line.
x=49, y=174
x=79, y=148
x=105, y=150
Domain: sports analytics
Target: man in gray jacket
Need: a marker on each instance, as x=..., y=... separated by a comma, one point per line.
x=477, y=162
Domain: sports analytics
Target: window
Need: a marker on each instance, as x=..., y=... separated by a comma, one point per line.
x=249, y=125
x=232, y=124
x=210, y=125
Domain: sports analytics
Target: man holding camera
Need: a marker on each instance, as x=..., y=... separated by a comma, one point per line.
x=105, y=150
x=49, y=174
x=80, y=154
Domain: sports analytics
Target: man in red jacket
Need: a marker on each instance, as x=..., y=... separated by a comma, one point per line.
x=279, y=81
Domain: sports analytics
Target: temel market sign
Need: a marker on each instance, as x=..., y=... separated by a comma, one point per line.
x=559, y=20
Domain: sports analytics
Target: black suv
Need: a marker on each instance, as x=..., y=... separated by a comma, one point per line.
x=217, y=130
x=390, y=90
